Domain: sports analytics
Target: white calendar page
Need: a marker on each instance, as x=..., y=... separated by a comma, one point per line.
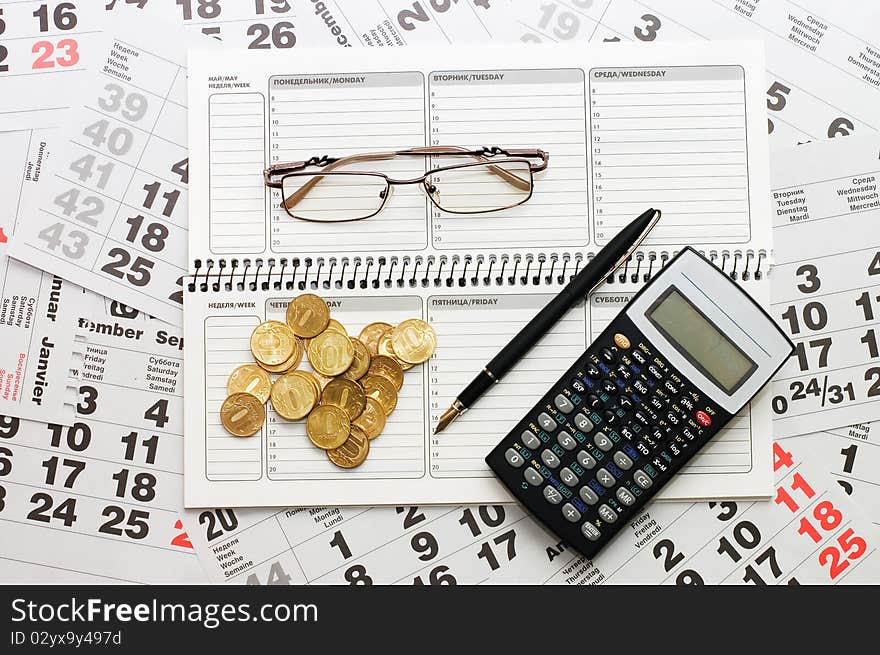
x=408, y=463
x=823, y=59
x=826, y=285
x=111, y=213
x=99, y=501
x=38, y=311
x=812, y=535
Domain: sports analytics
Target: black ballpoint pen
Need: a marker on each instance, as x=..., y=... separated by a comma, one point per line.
x=606, y=261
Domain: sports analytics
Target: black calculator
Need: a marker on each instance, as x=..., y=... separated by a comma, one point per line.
x=678, y=362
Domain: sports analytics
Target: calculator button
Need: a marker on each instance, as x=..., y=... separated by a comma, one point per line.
x=641, y=387
x=607, y=514
x=550, y=458
x=641, y=478
x=546, y=422
x=655, y=372
x=533, y=477
x=530, y=440
x=566, y=440
x=609, y=387
x=686, y=402
x=569, y=478
x=570, y=513
x=593, y=371
x=609, y=416
x=625, y=497
x=551, y=495
x=591, y=532
x=605, y=478
x=513, y=458
x=621, y=341
x=703, y=419
x=603, y=442
x=563, y=404
x=624, y=373
x=624, y=402
x=583, y=423
x=641, y=417
x=585, y=459
x=622, y=460
x=594, y=401
x=638, y=356
x=673, y=448
x=607, y=355
x=588, y=496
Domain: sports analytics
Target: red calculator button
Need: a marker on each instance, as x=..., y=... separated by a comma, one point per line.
x=703, y=418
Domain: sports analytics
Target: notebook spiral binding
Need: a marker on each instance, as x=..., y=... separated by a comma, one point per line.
x=401, y=271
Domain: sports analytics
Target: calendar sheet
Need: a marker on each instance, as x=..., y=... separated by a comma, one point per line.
x=826, y=284
x=38, y=310
x=99, y=500
x=823, y=58
x=810, y=534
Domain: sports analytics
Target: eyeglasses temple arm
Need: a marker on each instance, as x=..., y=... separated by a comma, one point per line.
x=291, y=201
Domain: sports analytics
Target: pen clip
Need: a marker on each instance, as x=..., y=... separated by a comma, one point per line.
x=629, y=253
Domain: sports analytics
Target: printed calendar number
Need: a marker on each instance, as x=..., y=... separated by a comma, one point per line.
x=5, y=461
x=62, y=17
x=73, y=247
x=280, y=35
x=275, y=6
x=64, y=54
x=439, y=575
x=134, y=523
x=218, y=522
x=506, y=544
x=140, y=487
x=83, y=209
x=76, y=437
x=840, y=127
x=9, y=426
x=277, y=576
x=63, y=470
x=203, y=8
x=648, y=31
x=86, y=167
x=152, y=236
x=125, y=266
x=565, y=24
x=46, y=511
x=145, y=448
x=118, y=140
x=130, y=105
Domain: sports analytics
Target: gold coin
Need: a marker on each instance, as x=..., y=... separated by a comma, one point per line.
x=314, y=380
x=307, y=315
x=293, y=362
x=328, y=426
x=251, y=379
x=372, y=420
x=272, y=343
x=353, y=452
x=382, y=390
x=385, y=348
x=414, y=341
x=361, y=363
x=322, y=381
x=371, y=333
x=347, y=394
x=388, y=368
x=330, y=353
x=293, y=395
x=242, y=414
x=336, y=326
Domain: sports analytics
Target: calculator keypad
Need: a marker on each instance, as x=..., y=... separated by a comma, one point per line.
x=605, y=438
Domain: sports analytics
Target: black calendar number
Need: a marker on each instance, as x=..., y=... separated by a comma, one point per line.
x=171, y=198
x=152, y=235
x=217, y=522
x=204, y=8
x=135, y=522
x=666, y=549
x=813, y=314
x=874, y=266
x=357, y=575
x=412, y=516
x=746, y=534
x=177, y=296
x=63, y=17
x=338, y=541
x=800, y=352
x=88, y=400
x=2, y=498
x=689, y=577
x=728, y=509
x=492, y=516
x=425, y=544
x=769, y=556
x=277, y=576
x=873, y=375
x=158, y=412
x=5, y=461
x=487, y=553
x=149, y=445
x=142, y=486
x=439, y=575
x=65, y=511
x=181, y=169
x=68, y=468
x=2, y=22
x=76, y=437
x=649, y=31
x=811, y=281
x=125, y=267
x=840, y=127
x=281, y=36
x=8, y=426
x=777, y=96
x=4, y=53
x=864, y=301
x=275, y=6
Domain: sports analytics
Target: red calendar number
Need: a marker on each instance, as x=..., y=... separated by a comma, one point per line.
x=181, y=539
x=66, y=54
x=851, y=547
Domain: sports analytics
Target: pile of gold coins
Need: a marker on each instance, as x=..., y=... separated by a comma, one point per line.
x=353, y=389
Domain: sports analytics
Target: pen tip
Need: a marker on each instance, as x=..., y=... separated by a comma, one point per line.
x=448, y=417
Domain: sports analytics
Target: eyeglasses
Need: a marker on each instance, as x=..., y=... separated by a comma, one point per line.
x=495, y=179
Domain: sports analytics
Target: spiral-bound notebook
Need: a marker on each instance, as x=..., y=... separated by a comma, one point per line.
x=680, y=128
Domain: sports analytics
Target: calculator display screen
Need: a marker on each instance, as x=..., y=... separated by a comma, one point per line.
x=701, y=343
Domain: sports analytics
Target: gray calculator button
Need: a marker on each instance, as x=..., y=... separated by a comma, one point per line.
x=568, y=477
x=588, y=496
x=570, y=513
x=513, y=458
x=583, y=423
x=530, y=440
x=552, y=495
x=585, y=459
x=550, y=458
x=533, y=477
x=546, y=422
x=566, y=440
x=622, y=460
x=625, y=497
x=563, y=404
x=603, y=441
x=607, y=514
x=641, y=478
x=591, y=532
x=605, y=478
